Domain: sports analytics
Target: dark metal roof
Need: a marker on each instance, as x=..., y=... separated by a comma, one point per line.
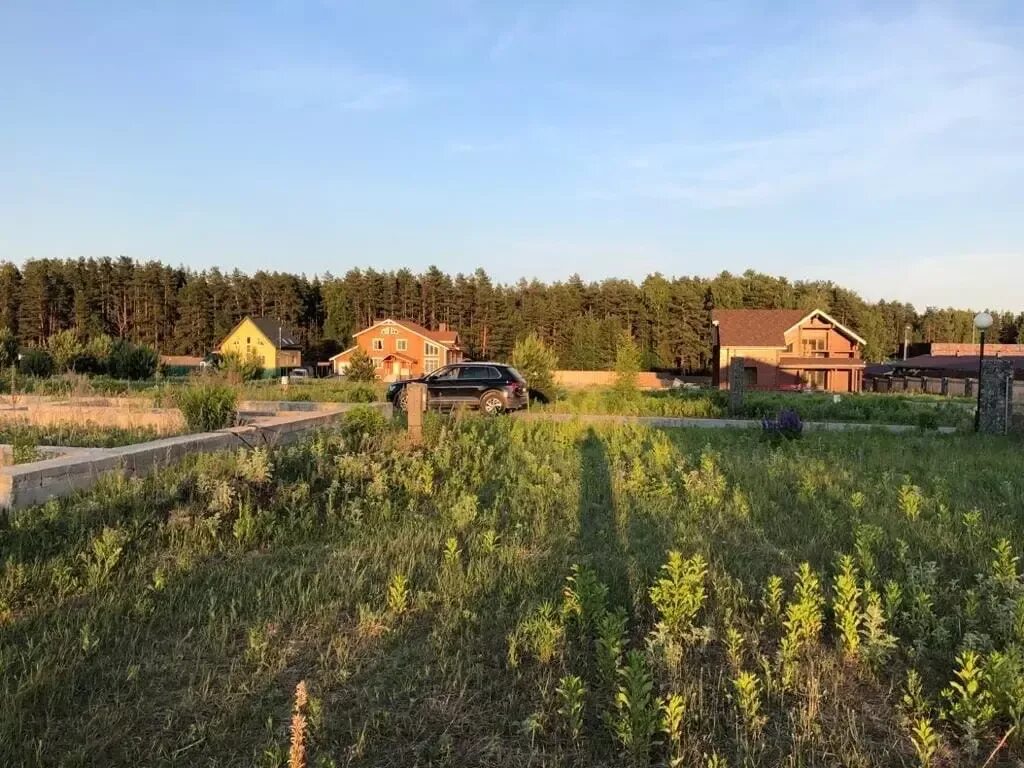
x=958, y=363
x=279, y=334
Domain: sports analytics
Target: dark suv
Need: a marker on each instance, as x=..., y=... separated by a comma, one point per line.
x=491, y=387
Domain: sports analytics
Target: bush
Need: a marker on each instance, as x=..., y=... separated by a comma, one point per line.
x=8, y=348
x=627, y=363
x=360, y=394
x=36, y=361
x=132, y=361
x=208, y=406
x=242, y=368
x=66, y=351
x=786, y=426
x=536, y=361
x=361, y=367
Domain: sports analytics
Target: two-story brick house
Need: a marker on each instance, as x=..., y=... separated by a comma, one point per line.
x=401, y=349
x=786, y=349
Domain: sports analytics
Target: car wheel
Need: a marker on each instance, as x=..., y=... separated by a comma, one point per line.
x=492, y=404
x=402, y=401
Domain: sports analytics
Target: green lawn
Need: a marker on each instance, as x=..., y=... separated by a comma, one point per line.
x=486, y=599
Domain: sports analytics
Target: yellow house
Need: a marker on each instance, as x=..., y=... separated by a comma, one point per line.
x=269, y=338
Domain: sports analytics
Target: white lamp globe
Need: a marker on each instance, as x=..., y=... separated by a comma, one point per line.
x=983, y=321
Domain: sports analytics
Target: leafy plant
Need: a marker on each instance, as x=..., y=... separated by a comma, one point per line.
x=969, y=702
x=572, y=695
x=846, y=606
x=132, y=361
x=627, y=363
x=747, y=688
x=536, y=361
x=786, y=425
x=241, y=368
x=208, y=405
x=36, y=361
x=360, y=366
x=679, y=594
x=398, y=594
x=636, y=715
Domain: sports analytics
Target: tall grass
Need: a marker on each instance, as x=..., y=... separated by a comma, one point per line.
x=522, y=593
x=921, y=411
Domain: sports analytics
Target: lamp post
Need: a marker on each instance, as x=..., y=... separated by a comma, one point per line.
x=906, y=340
x=982, y=321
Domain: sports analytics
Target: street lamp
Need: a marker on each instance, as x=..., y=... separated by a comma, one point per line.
x=982, y=321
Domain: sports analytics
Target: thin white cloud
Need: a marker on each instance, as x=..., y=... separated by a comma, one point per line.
x=915, y=107
x=976, y=280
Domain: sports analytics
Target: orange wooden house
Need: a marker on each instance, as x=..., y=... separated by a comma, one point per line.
x=786, y=349
x=401, y=349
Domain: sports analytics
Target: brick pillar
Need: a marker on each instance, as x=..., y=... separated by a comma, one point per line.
x=737, y=385
x=416, y=404
x=996, y=396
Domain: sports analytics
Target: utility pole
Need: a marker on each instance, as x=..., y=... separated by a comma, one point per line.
x=906, y=340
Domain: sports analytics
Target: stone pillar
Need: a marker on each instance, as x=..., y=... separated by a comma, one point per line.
x=737, y=385
x=944, y=386
x=996, y=396
x=969, y=390
x=416, y=404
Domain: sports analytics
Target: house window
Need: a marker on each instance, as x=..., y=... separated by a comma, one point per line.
x=814, y=379
x=377, y=361
x=402, y=345
x=430, y=364
x=431, y=357
x=813, y=344
x=750, y=376
x=378, y=345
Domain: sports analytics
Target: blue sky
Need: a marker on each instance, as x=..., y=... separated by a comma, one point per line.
x=877, y=144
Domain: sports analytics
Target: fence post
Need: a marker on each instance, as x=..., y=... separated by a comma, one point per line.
x=416, y=404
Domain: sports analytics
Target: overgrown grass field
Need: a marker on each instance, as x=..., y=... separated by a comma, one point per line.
x=916, y=410
x=82, y=435
x=523, y=593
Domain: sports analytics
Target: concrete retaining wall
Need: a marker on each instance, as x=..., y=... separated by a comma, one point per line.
x=24, y=485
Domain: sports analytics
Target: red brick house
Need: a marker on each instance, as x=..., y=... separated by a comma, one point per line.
x=786, y=349
x=402, y=349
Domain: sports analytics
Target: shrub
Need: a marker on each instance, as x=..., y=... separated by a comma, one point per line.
x=132, y=361
x=8, y=348
x=243, y=367
x=360, y=394
x=36, y=361
x=208, y=406
x=66, y=351
x=627, y=363
x=536, y=361
x=787, y=425
x=361, y=367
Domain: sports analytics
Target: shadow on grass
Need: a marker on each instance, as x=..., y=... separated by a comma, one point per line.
x=600, y=543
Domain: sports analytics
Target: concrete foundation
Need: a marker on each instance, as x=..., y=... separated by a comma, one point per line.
x=24, y=485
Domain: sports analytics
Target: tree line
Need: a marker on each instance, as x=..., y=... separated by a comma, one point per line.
x=183, y=311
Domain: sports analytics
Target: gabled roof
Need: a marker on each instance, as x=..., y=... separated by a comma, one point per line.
x=448, y=339
x=766, y=327
x=277, y=332
x=755, y=327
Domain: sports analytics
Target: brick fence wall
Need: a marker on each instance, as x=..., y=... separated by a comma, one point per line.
x=644, y=379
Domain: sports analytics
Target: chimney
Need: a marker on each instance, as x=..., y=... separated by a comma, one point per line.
x=442, y=327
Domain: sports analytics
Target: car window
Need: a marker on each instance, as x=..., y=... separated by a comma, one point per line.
x=477, y=373
x=445, y=374
x=517, y=375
